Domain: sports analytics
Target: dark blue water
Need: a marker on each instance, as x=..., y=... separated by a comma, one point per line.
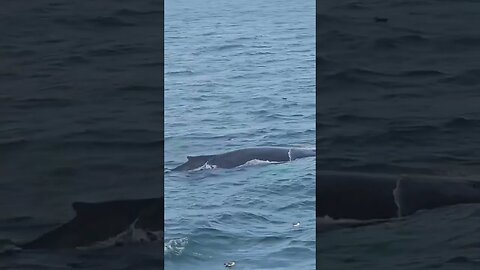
x=401, y=97
x=239, y=74
x=80, y=120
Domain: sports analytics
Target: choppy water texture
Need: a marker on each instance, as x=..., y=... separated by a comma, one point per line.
x=398, y=94
x=239, y=74
x=80, y=120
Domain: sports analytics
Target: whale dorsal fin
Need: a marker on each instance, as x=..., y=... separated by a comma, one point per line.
x=193, y=162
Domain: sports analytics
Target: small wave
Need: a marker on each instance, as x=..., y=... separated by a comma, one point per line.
x=324, y=19
x=66, y=21
x=334, y=37
x=135, y=13
x=409, y=134
x=139, y=88
x=151, y=64
x=422, y=73
x=467, y=78
x=109, y=22
x=179, y=72
x=324, y=63
x=75, y=59
x=466, y=41
x=461, y=122
x=21, y=53
x=111, y=144
x=403, y=95
x=8, y=75
x=355, y=118
x=374, y=167
x=105, y=135
x=358, y=76
x=353, y=5
x=241, y=217
x=258, y=53
x=409, y=3
x=114, y=51
x=296, y=205
x=394, y=42
x=292, y=251
x=228, y=47
x=12, y=144
x=37, y=103
x=53, y=41
x=463, y=260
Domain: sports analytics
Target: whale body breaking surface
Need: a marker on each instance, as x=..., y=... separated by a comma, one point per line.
x=240, y=157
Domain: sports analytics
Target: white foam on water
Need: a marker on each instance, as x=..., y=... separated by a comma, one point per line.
x=175, y=246
x=131, y=235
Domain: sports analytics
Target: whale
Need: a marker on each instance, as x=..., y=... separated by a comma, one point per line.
x=240, y=157
x=104, y=222
x=360, y=199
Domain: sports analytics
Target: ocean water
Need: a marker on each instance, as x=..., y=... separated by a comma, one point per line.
x=80, y=120
x=400, y=97
x=239, y=74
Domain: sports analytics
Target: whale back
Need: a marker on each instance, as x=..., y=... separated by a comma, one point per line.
x=240, y=157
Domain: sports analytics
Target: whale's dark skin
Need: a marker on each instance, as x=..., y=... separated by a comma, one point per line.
x=96, y=222
x=239, y=157
x=355, y=196
x=381, y=197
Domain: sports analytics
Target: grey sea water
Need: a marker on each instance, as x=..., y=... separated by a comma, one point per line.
x=239, y=74
x=80, y=120
x=399, y=95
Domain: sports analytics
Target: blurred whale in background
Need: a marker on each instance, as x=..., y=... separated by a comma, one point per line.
x=108, y=222
x=359, y=199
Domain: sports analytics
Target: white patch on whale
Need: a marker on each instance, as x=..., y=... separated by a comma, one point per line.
x=397, y=198
x=205, y=166
x=253, y=162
